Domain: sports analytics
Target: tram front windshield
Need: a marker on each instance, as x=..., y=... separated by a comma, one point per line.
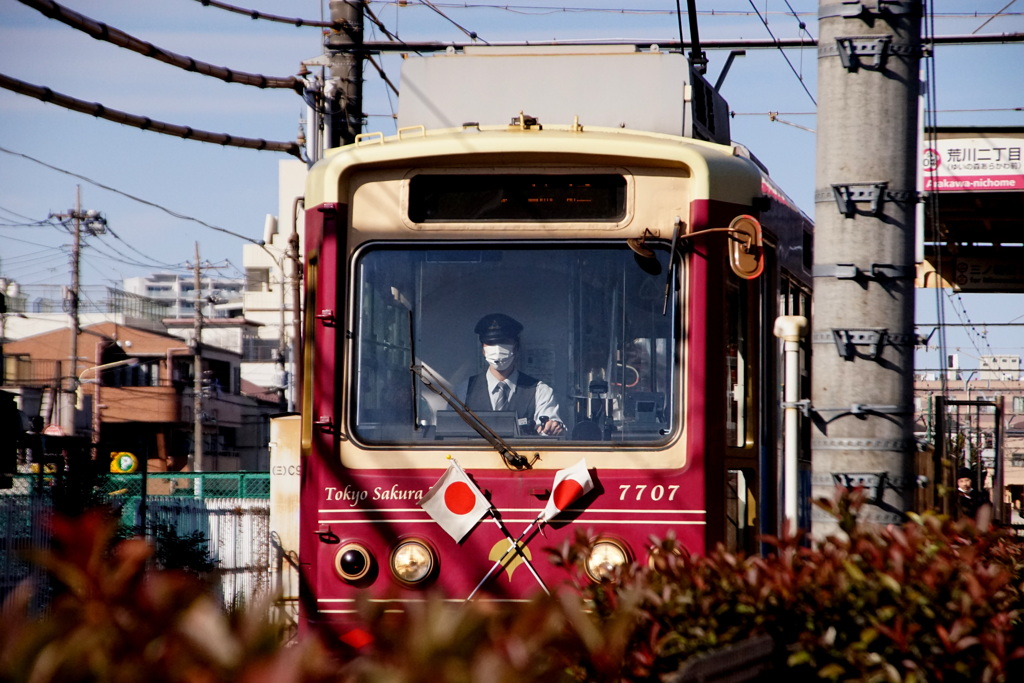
x=582, y=330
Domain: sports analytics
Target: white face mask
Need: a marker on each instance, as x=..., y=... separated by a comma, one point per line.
x=499, y=356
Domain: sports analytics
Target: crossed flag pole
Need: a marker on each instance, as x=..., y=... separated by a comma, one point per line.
x=513, y=546
x=456, y=504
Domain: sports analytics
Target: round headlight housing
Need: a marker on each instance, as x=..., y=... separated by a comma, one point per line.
x=413, y=562
x=353, y=562
x=606, y=556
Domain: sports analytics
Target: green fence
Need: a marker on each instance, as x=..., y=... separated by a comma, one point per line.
x=230, y=509
x=251, y=485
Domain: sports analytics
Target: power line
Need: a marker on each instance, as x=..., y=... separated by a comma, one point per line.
x=33, y=221
x=147, y=256
x=101, y=31
x=133, y=197
x=295, y=21
x=120, y=257
x=32, y=258
x=144, y=122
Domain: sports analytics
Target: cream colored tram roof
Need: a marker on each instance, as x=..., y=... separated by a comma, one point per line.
x=415, y=148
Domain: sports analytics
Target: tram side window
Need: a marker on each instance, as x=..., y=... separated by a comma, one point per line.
x=593, y=331
x=737, y=363
x=383, y=381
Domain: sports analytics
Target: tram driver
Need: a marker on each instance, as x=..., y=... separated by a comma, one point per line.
x=503, y=387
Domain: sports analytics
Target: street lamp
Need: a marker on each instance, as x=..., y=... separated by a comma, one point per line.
x=104, y=366
x=96, y=395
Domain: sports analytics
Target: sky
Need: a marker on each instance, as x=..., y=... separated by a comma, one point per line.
x=139, y=179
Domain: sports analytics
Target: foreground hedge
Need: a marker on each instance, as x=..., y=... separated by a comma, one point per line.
x=931, y=600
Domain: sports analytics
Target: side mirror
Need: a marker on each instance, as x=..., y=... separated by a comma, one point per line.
x=746, y=254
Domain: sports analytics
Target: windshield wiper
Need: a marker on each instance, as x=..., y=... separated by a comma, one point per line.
x=435, y=384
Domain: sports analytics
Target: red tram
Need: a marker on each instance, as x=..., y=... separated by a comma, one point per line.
x=534, y=324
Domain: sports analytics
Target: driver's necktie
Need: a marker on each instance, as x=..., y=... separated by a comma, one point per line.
x=500, y=396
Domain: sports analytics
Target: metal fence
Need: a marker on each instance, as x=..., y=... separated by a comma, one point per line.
x=92, y=299
x=230, y=510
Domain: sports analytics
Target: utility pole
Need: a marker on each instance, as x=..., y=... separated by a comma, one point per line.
x=862, y=370
x=95, y=224
x=197, y=372
x=68, y=416
x=297, y=348
x=344, y=90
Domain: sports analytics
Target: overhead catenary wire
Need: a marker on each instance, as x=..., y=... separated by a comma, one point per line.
x=144, y=122
x=379, y=24
x=796, y=15
x=557, y=9
x=471, y=34
x=101, y=31
x=986, y=22
x=384, y=76
x=968, y=324
x=792, y=68
x=714, y=44
x=932, y=199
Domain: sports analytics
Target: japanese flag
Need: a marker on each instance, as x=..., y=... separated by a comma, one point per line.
x=455, y=502
x=570, y=484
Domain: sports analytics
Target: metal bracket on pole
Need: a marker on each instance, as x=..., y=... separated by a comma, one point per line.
x=853, y=444
x=803, y=405
x=861, y=410
x=878, y=271
x=854, y=9
x=847, y=195
x=846, y=340
x=852, y=51
x=873, y=483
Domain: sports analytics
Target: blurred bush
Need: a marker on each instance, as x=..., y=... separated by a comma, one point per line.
x=112, y=619
x=930, y=600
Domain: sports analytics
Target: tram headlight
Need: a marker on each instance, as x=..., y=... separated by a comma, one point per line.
x=606, y=556
x=413, y=562
x=353, y=562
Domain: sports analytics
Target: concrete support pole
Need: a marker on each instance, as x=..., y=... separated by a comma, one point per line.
x=862, y=368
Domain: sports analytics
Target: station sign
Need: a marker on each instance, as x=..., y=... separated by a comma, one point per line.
x=973, y=161
x=972, y=226
x=991, y=273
